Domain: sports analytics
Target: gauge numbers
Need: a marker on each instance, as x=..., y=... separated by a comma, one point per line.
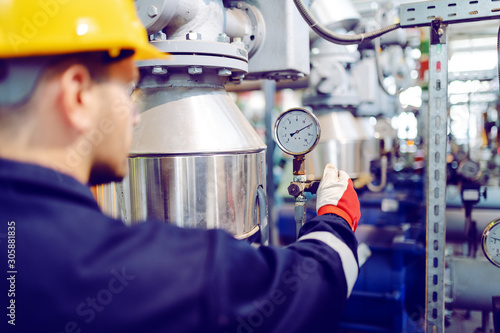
x=491, y=242
x=297, y=131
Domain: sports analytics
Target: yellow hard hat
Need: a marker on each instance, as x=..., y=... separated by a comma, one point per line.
x=52, y=27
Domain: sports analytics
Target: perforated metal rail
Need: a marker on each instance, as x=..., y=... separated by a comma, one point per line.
x=436, y=178
x=423, y=13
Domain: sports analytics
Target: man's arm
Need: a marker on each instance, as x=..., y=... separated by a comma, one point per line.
x=300, y=288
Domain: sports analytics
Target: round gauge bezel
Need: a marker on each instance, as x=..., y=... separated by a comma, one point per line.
x=311, y=116
x=484, y=239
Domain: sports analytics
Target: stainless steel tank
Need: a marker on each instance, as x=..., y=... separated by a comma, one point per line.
x=195, y=160
x=346, y=141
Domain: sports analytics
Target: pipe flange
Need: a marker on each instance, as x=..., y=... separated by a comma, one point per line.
x=229, y=59
x=254, y=39
x=200, y=47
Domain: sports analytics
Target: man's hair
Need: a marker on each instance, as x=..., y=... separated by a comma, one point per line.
x=97, y=64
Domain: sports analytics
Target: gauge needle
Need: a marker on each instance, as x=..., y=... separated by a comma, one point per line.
x=297, y=131
x=496, y=239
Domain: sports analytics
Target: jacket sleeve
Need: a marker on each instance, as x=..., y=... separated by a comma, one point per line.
x=300, y=288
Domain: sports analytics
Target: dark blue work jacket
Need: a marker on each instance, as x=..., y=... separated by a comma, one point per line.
x=66, y=267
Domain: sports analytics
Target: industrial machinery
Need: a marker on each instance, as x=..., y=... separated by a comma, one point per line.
x=197, y=162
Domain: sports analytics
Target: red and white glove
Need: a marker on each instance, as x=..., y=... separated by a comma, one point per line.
x=336, y=195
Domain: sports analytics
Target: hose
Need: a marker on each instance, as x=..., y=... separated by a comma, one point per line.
x=333, y=37
x=380, y=75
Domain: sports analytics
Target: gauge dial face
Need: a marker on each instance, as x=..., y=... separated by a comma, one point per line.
x=491, y=242
x=297, y=131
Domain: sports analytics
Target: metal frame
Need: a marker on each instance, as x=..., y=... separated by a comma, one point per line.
x=436, y=177
x=437, y=15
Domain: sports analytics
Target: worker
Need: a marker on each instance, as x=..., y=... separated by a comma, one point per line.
x=66, y=119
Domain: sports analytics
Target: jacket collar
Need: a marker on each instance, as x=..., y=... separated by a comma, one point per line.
x=36, y=178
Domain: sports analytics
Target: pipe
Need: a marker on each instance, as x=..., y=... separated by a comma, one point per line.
x=205, y=17
x=333, y=37
x=379, y=71
x=456, y=227
x=472, y=283
x=238, y=23
x=300, y=212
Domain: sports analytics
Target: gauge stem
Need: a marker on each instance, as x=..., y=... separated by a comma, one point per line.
x=299, y=165
x=299, y=175
x=300, y=212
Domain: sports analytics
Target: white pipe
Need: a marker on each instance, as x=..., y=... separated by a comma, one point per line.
x=238, y=23
x=205, y=17
x=472, y=283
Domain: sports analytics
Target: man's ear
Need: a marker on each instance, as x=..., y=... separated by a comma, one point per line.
x=75, y=98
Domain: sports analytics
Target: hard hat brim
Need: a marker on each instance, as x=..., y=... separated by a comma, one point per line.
x=149, y=52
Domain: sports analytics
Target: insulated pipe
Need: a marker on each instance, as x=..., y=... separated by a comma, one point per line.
x=238, y=23
x=472, y=283
x=456, y=226
x=204, y=17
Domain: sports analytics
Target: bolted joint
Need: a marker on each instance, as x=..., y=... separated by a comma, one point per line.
x=152, y=11
x=298, y=76
x=237, y=78
x=238, y=43
x=160, y=70
x=223, y=38
x=195, y=70
x=224, y=72
x=193, y=35
x=159, y=36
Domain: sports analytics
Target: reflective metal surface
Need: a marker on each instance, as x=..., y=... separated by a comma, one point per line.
x=195, y=160
x=106, y=196
x=345, y=141
x=335, y=13
x=213, y=191
x=183, y=120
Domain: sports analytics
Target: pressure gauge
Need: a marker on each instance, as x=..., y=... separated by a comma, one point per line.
x=297, y=131
x=491, y=242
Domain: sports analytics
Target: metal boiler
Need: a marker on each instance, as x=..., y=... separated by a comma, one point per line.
x=195, y=160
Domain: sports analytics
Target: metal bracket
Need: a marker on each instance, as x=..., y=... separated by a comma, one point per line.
x=423, y=13
x=438, y=33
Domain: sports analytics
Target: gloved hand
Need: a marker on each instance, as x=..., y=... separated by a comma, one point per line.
x=336, y=195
